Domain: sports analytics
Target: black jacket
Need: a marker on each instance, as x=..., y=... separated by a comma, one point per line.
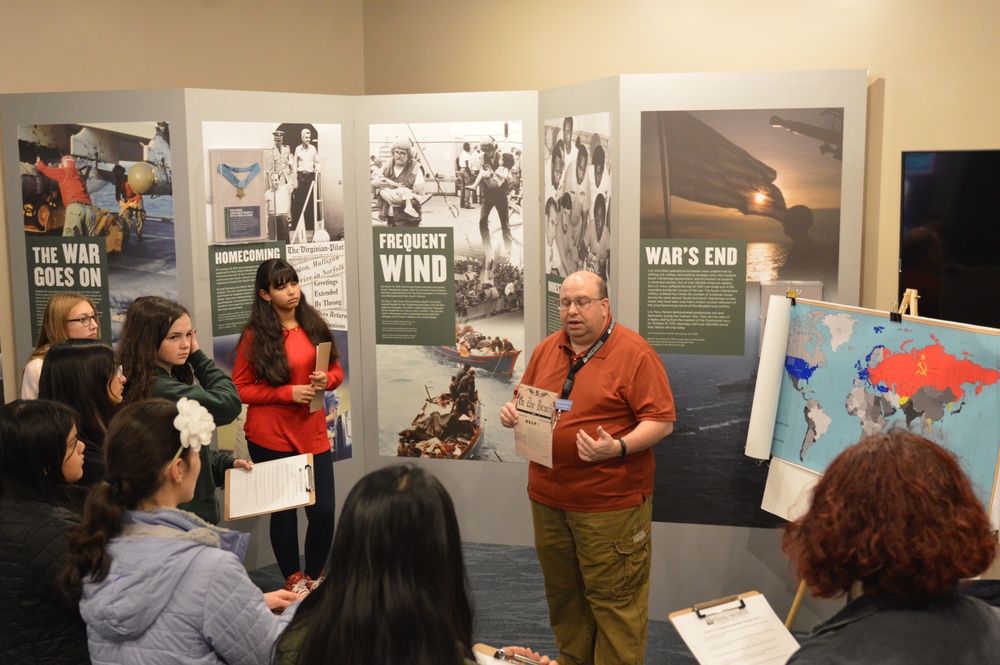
x=39, y=624
x=949, y=628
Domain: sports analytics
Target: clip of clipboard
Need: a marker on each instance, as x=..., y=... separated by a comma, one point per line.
x=717, y=630
x=280, y=484
x=726, y=604
x=714, y=607
x=310, y=478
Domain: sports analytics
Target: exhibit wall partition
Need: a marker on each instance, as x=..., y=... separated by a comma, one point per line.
x=439, y=270
x=730, y=186
x=433, y=232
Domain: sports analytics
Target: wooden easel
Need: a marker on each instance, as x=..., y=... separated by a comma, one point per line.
x=910, y=298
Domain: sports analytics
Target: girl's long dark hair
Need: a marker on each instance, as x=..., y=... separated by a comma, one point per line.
x=77, y=372
x=142, y=441
x=267, y=337
x=147, y=323
x=399, y=593
x=33, y=436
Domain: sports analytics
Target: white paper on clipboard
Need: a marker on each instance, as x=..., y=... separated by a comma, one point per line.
x=280, y=484
x=741, y=630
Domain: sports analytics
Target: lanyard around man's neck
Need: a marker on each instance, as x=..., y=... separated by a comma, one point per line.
x=578, y=365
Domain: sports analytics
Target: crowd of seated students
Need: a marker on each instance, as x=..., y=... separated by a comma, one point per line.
x=99, y=562
x=124, y=576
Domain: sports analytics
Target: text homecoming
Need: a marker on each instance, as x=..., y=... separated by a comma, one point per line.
x=247, y=255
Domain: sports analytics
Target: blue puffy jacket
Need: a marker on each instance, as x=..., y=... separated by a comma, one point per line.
x=177, y=593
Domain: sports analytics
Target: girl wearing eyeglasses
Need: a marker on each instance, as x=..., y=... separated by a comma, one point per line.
x=83, y=374
x=66, y=316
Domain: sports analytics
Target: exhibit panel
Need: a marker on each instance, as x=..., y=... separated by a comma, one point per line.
x=297, y=216
x=449, y=279
x=310, y=226
x=741, y=182
x=443, y=293
x=90, y=188
x=744, y=182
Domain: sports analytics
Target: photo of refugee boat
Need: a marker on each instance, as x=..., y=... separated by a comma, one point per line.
x=449, y=425
x=492, y=356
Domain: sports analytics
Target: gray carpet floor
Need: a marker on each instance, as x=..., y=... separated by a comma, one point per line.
x=510, y=604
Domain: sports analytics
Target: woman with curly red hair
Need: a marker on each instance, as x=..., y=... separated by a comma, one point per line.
x=895, y=519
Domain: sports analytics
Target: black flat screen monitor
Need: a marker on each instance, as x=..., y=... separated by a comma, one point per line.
x=949, y=248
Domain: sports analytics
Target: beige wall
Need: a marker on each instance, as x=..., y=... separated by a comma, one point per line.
x=288, y=46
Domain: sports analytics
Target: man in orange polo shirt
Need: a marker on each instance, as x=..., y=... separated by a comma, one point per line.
x=592, y=510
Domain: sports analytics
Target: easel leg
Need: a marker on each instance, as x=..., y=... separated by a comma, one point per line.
x=795, y=605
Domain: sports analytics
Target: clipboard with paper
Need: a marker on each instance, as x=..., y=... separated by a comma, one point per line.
x=737, y=629
x=269, y=487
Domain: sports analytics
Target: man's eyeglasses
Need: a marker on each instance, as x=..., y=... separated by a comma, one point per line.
x=85, y=320
x=581, y=303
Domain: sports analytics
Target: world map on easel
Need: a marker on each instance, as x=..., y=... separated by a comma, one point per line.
x=850, y=372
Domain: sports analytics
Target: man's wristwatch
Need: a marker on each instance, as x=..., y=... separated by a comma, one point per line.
x=624, y=449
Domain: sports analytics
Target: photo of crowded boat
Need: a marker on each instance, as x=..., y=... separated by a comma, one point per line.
x=449, y=425
x=491, y=356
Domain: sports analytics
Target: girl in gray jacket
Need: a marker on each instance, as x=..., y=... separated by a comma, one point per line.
x=157, y=584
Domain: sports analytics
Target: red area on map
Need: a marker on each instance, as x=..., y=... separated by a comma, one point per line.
x=906, y=372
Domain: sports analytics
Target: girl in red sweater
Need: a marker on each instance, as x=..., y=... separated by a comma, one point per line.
x=275, y=375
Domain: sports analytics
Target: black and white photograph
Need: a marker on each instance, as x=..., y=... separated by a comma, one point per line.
x=279, y=181
x=576, y=159
x=437, y=401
